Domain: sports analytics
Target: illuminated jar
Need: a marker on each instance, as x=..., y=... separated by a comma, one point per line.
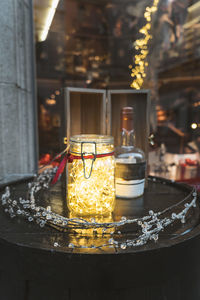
x=90, y=178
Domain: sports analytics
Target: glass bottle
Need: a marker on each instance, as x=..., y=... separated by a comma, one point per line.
x=130, y=161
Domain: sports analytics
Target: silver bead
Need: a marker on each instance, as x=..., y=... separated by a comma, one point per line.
x=42, y=223
x=155, y=237
x=183, y=220
x=49, y=208
x=174, y=216
x=48, y=217
x=123, y=246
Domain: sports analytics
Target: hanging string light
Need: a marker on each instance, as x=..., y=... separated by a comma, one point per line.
x=141, y=46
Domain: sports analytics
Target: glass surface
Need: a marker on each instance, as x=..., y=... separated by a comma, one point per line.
x=130, y=167
x=95, y=44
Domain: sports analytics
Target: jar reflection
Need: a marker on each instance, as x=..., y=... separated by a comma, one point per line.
x=87, y=238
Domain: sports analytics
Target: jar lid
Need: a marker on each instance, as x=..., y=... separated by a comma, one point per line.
x=98, y=139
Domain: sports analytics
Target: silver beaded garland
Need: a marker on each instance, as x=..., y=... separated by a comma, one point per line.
x=149, y=226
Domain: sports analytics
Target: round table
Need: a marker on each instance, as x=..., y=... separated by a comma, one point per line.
x=31, y=267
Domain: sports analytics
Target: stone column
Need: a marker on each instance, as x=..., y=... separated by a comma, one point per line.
x=18, y=140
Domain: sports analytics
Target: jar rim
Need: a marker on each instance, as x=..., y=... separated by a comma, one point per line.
x=97, y=138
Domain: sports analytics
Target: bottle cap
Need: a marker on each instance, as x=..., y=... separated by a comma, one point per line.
x=127, y=118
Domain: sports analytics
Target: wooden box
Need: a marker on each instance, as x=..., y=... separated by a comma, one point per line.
x=98, y=111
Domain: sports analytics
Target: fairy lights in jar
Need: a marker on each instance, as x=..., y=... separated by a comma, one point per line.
x=90, y=178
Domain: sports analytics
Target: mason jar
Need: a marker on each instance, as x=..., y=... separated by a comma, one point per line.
x=90, y=175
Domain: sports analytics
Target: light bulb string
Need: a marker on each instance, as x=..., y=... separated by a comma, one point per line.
x=69, y=158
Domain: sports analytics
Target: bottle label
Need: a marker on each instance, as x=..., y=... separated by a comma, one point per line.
x=129, y=188
x=130, y=171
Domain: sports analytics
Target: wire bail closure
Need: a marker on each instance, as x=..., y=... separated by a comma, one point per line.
x=93, y=159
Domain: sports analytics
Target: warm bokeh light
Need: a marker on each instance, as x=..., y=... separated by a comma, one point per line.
x=141, y=45
x=50, y=101
x=194, y=125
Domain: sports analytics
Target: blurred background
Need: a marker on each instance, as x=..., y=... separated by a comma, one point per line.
x=92, y=43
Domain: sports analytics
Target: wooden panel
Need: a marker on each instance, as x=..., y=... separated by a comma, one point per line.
x=85, y=111
x=75, y=112
x=140, y=102
x=91, y=113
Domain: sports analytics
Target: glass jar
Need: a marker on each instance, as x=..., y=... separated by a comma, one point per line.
x=90, y=178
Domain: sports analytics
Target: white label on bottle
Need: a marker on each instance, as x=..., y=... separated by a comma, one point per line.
x=126, y=160
x=129, y=188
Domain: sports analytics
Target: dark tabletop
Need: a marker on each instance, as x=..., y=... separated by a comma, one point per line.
x=31, y=248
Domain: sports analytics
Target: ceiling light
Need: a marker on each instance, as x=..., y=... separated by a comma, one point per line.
x=49, y=19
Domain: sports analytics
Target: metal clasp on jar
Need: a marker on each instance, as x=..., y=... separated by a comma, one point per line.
x=88, y=153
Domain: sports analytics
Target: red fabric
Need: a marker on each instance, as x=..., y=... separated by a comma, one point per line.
x=46, y=160
x=60, y=169
x=69, y=159
x=183, y=165
x=195, y=182
x=190, y=162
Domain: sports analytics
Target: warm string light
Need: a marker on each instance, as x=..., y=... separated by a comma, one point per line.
x=52, y=99
x=141, y=46
x=95, y=195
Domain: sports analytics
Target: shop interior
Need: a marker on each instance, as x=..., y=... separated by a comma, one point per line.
x=94, y=44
